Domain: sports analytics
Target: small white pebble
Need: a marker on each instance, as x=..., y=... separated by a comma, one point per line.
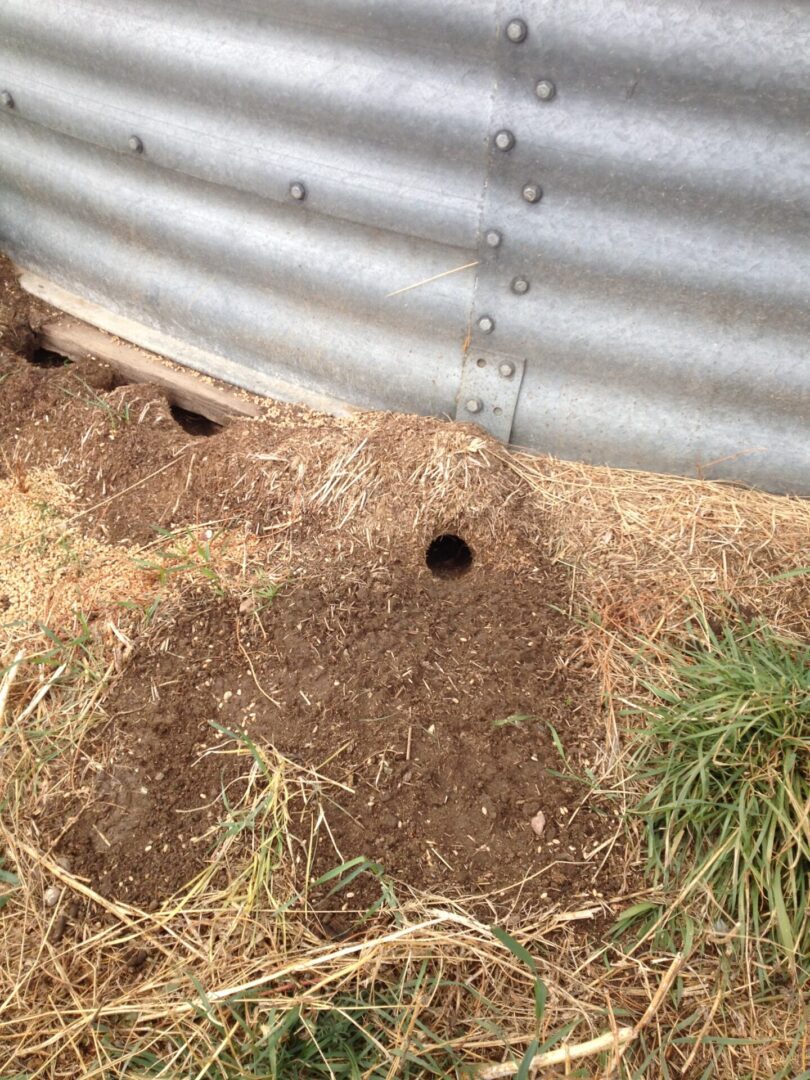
x=51, y=896
x=484, y=811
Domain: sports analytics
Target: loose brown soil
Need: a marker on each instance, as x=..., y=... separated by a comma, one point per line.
x=401, y=688
x=20, y=314
x=427, y=704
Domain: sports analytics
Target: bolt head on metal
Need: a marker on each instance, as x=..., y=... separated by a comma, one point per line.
x=135, y=144
x=7, y=99
x=474, y=405
x=297, y=190
x=545, y=89
x=520, y=286
x=516, y=31
x=532, y=193
x=504, y=140
x=493, y=238
x=486, y=324
x=506, y=369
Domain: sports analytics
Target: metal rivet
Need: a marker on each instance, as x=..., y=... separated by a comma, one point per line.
x=498, y=410
x=486, y=324
x=516, y=31
x=297, y=190
x=474, y=405
x=506, y=369
x=493, y=238
x=7, y=99
x=545, y=89
x=504, y=140
x=481, y=362
x=135, y=144
x=532, y=193
x=520, y=286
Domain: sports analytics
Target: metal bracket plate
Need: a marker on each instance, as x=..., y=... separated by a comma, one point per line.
x=490, y=385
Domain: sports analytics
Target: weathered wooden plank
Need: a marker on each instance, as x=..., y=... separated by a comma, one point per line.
x=155, y=342
x=75, y=339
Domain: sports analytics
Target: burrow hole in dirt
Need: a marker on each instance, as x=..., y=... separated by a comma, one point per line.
x=448, y=556
x=194, y=423
x=44, y=358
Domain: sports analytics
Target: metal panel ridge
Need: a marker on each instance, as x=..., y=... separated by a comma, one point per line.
x=582, y=224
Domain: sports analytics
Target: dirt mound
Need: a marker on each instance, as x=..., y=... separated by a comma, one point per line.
x=134, y=467
x=434, y=702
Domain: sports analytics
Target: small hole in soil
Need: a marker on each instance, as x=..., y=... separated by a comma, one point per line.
x=46, y=359
x=194, y=423
x=448, y=556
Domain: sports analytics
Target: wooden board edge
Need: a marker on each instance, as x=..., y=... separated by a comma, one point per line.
x=75, y=339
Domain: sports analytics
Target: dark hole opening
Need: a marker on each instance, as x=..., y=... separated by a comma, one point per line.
x=194, y=423
x=448, y=556
x=44, y=358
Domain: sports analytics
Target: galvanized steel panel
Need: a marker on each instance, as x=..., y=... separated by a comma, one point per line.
x=652, y=304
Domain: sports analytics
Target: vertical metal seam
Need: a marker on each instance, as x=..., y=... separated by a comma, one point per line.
x=482, y=247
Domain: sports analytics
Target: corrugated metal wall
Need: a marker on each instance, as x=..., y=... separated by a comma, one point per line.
x=649, y=307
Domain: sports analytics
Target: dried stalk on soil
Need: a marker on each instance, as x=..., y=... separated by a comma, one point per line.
x=9, y=675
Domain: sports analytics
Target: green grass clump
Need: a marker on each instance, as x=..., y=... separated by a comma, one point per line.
x=375, y=1034
x=87, y=395
x=725, y=759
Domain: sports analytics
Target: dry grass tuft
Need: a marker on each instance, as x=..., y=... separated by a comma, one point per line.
x=48, y=569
